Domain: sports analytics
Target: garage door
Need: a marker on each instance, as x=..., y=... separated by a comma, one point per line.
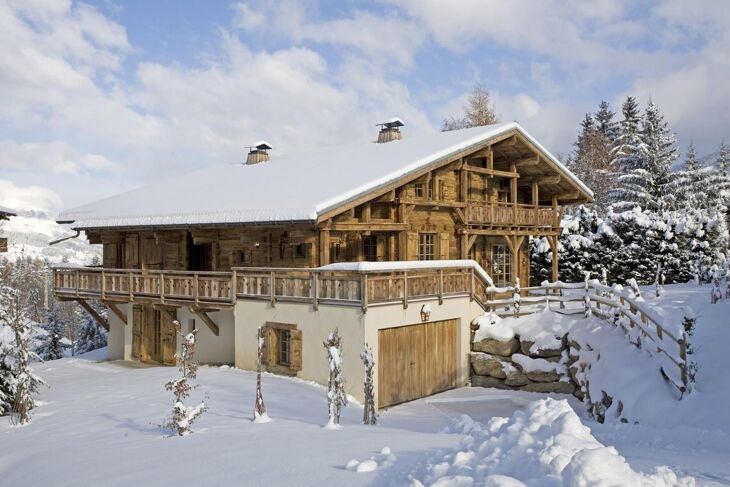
x=416, y=361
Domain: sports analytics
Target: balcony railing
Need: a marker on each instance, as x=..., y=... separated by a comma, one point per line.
x=317, y=286
x=504, y=214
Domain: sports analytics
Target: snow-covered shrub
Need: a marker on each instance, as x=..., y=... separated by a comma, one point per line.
x=259, y=409
x=369, y=415
x=336, y=397
x=183, y=416
x=89, y=335
x=51, y=346
x=716, y=292
x=516, y=299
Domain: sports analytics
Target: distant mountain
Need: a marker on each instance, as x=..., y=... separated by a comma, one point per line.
x=30, y=232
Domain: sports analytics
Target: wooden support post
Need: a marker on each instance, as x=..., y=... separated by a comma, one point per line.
x=405, y=289
x=272, y=288
x=315, y=289
x=441, y=286
x=203, y=315
x=99, y=319
x=464, y=245
x=118, y=312
x=553, y=241
x=513, y=191
x=162, y=287
x=364, y=292
x=324, y=246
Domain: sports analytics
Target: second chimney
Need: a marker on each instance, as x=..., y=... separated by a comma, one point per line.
x=390, y=130
x=258, y=152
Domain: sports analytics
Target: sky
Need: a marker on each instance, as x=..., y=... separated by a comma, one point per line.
x=104, y=96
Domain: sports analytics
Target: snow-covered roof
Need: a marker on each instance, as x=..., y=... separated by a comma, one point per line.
x=408, y=265
x=263, y=145
x=286, y=189
x=393, y=122
x=7, y=211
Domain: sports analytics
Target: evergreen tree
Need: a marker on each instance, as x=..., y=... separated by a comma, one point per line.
x=719, y=197
x=605, y=123
x=627, y=158
x=591, y=161
x=51, y=347
x=660, y=154
x=693, y=183
x=90, y=336
x=478, y=111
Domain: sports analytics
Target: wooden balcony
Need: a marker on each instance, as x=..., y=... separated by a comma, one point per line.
x=222, y=289
x=503, y=214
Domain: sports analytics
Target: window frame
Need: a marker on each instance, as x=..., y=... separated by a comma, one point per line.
x=283, y=342
x=501, y=265
x=418, y=190
x=427, y=246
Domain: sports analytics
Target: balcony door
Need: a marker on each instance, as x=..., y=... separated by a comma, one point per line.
x=200, y=256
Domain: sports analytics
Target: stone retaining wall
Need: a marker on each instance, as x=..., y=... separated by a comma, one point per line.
x=519, y=365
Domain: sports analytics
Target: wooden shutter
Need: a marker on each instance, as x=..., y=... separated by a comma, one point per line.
x=296, y=350
x=270, y=346
x=412, y=246
x=110, y=256
x=131, y=256
x=443, y=246
x=137, y=317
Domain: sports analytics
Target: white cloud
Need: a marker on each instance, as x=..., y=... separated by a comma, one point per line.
x=56, y=157
x=28, y=198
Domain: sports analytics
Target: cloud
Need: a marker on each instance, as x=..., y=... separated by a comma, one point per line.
x=56, y=157
x=28, y=198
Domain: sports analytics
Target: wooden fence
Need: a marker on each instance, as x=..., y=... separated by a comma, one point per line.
x=620, y=306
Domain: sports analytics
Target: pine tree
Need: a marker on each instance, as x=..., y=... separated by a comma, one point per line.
x=605, y=123
x=369, y=414
x=591, y=161
x=627, y=158
x=51, y=347
x=693, y=183
x=477, y=112
x=719, y=197
x=90, y=336
x=660, y=154
x=259, y=409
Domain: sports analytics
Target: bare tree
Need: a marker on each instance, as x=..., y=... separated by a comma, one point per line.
x=336, y=397
x=259, y=410
x=478, y=111
x=369, y=415
x=183, y=416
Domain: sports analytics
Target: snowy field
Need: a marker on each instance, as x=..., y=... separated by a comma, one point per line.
x=97, y=424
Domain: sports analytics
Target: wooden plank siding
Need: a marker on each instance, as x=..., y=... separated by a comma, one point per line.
x=416, y=361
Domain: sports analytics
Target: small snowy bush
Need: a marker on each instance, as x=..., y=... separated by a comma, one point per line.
x=183, y=416
x=336, y=397
x=259, y=410
x=369, y=415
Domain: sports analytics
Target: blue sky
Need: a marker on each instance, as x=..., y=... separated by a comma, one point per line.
x=100, y=97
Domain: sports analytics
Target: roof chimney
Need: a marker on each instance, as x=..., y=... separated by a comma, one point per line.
x=390, y=130
x=258, y=152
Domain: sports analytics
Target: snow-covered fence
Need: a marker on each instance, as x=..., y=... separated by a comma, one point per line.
x=617, y=305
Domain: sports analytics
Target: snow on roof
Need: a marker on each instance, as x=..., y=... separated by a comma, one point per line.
x=7, y=211
x=263, y=145
x=392, y=122
x=288, y=189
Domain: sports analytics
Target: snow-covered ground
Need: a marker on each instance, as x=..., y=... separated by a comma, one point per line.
x=98, y=424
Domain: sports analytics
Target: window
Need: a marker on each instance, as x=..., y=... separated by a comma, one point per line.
x=430, y=189
x=335, y=251
x=426, y=246
x=501, y=265
x=370, y=248
x=283, y=355
x=300, y=251
x=418, y=187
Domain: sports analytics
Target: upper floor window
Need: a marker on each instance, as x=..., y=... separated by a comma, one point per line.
x=370, y=248
x=418, y=189
x=283, y=339
x=430, y=189
x=426, y=246
x=501, y=265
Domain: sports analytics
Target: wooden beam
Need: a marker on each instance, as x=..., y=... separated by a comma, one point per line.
x=444, y=204
x=118, y=312
x=460, y=213
x=540, y=231
x=470, y=244
x=168, y=312
x=492, y=172
x=535, y=194
x=203, y=315
x=513, y=191
x=372, y=226
x=99, y=319
x=366, y=212
x=508, y=142
x=541, y=179
x=324, y=246
x=569, y=196
x=527, y=161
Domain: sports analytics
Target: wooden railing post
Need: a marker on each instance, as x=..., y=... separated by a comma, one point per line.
x=131, y=286
x=161, y=277
x=315, y=289
x=103, y=284
x=364, y=292
x=405, y=289
x=471, y=284
x=234, y=286
x=441, y=286
x=196, y=293
x=272, y=282
x=78, y=282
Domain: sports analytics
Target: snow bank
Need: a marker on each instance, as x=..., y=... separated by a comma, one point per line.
x=546, y=444
x=545, y=328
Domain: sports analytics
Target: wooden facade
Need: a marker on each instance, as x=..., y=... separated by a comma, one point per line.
x=481, y=205
x=5, y=214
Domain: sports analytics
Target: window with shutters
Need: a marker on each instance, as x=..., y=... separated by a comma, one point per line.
x=282, y=348
x=426, y=246
x=501, y=265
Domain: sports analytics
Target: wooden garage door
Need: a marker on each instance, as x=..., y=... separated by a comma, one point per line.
x=416, y=361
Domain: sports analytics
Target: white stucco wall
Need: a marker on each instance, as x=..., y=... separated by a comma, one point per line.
x=315, y=326
x=117, y=333
x=211, y=349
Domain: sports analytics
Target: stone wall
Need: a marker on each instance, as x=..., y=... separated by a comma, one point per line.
x=518, y=365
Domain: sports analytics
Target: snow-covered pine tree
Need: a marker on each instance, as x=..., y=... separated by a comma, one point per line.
x=627, y=158
x=259, y=409
x=659, y=155
x=369, y=416
x=605, y=122
x=90, y=336
x=693, y=183
x=183, y=416
x=51, y=346
x=336, y=397
x=20, y=382
x=478, y=111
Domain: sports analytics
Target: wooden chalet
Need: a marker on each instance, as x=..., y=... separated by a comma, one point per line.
x=274, y=242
